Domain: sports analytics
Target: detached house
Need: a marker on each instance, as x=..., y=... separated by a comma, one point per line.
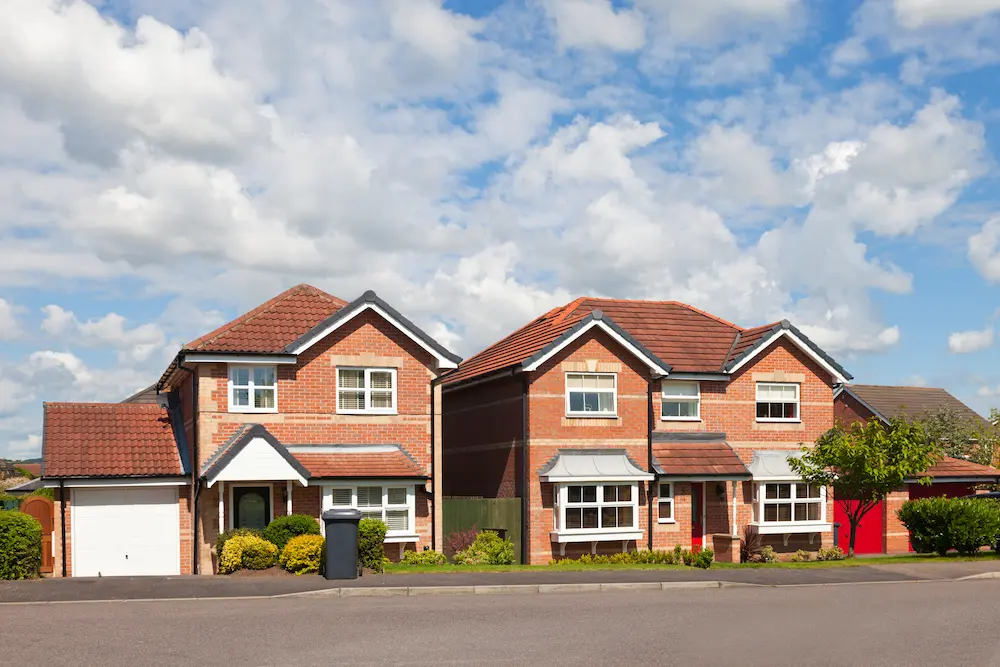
x=641, y=424
x=305, y=403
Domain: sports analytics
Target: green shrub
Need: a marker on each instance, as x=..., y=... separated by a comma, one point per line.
x=220, y=541
x=46, y=492
x=20, y=545
x=702, y=558
x=284, y=528
x=303, y=554
x=768, y=555
x=371, y=544
x=247, y=552
x=487, y=549
x=424, y=558
x=801, y=556
x=831, y=553
x=941, y=524
x=9, y=502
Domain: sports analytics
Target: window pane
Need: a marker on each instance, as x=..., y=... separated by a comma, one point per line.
x=666, y=509
x=397, y=519
x=263, y=399
x=381, y=380
x=382, y=400
x=604, y=381
x=351, y=400
x=369, y=496
x=241, y=376
x=625, y=517
x=397, y=496
x=624, y=493
x=589, y=517
x=771, y=491
x=606, y=402
x=784, y=490
x=576, y=402
x=575, y=494
x=801, y=512
x=591, y=402
x=784, y=512
x=609, y=518
x=590, y=494
x=790, y=392
x=770, y=512
x=814, y=509
x=377, y=514
x=762, y=411
x=342, y=497
x=350, y=379
x=574, y=381
x=666, y=491
x=574, y=517
x=610, y=494
x=241, y=397
x=263, y=376
x=680, y=388
x=791, y=411
x=671, y=410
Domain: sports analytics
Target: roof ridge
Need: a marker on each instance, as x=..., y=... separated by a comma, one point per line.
x=261, y=309
x=96, y=404
x=895, y=386
x=568, y=309
x=671, y=302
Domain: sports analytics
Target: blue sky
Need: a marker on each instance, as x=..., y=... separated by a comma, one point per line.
x=166, y=166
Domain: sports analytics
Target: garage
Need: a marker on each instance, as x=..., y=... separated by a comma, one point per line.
x=125, y=531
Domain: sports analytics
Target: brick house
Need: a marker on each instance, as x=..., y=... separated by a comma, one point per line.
x=880, y=530
x=303, y=404
x=641, y=424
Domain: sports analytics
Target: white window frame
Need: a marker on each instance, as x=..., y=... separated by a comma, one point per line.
x=675, y=398
x=665, y=499
x=798, y=402
x=562, y=504
x=592, y=415
x=793, y=499
x=233, y=368
x=408, y=535
x=367, y=390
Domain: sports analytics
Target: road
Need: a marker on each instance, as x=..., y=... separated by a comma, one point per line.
x=896, y=624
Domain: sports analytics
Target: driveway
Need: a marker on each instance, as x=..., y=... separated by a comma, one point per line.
x=933, y=624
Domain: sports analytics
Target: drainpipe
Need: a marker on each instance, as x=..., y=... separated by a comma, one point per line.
x=524, y=470
x=436, y=484
x=649, y=462
x=195, y=481
x=62, y=527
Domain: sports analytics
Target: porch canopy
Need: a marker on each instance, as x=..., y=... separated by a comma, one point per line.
x=592, y=465
x=773, y=466
x=254, y=455
x=697, y=457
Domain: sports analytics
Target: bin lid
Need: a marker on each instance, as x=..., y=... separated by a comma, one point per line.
x=342, y=515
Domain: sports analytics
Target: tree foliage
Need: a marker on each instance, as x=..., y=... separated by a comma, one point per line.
x=864, y=462
x=963, y=437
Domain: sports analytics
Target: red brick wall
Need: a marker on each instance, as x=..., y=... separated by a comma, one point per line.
x=847, y=410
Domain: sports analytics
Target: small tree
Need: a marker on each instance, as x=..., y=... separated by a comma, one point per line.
x=865, y=462
x=961, y=436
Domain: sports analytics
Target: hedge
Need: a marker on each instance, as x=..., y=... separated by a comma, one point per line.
x=247, y=552
x=20, y=545
x=371, y=544
x=941, y=524
x=303, y=554
x=284, y=528
x=487, y=549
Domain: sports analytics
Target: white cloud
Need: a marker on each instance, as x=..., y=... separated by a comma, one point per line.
x=984, y=250
x=24, y=448
x=964, y=342
x=917, y=13
x=988, y=392
x=136, y=344
x=10, y=326
x=588, y=23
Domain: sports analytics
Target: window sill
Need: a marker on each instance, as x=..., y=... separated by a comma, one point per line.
x=563, y=536
x=252, y=411
x=368, y=412
x=401, y=537
x=792, y=527
x=666, y=521
x=680, y=419
x=591, y=415
x=761, y=420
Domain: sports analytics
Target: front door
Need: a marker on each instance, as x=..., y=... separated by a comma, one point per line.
x=251, y=507
x=697, y=510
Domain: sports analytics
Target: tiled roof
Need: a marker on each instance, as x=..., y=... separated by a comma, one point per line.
x=912, y=401
x=688, y=339
x=340, y=461
x=30, y=468
x=109, y=440
x=270, y=327
x=957, y=468
x=705, y=455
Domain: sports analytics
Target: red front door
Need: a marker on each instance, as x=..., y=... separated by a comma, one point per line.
x=868, y=539
x=697, y=509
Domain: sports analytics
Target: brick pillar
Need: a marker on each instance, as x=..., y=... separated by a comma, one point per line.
x=896, y=538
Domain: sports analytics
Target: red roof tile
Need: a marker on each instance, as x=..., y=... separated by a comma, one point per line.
x=949, y=467
x=371, y=464
x=698, y=459
x=109, y=440
x=913, y=402
x=30, y=468
x=270, y=327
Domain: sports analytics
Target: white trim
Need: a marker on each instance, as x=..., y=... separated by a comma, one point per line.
x=660, y=500
x=710, y=478
x=232, y=507
x=408, y=535
x=792, y=528
x=251, y=387
x=656, y=368
x=222, y=507
x=676, y=398
x=193, y=358
x=443, y=361
x=401, y=538
x=780, y=420
x=561, y=537
x=258, y=461
x=561, y=504
x=95, y=482
x=366, y=390
x=837, y=376
x=585, y=414
x=704, y=515
x=597, y=480
x=760, y=501
x=735, y=487
x=288, y=497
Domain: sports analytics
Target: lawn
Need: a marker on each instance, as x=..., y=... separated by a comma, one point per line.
x=398, y=568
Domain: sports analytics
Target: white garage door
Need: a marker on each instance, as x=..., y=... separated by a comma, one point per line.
x=125, y=531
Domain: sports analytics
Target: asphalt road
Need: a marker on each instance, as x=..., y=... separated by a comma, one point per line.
x=909, y=624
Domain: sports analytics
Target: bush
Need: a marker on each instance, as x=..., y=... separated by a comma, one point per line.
x=220, y=541
x=284, y=528
x=20, y=545
x=768, y=555
x=303, y=554
x=702, y=558
x=487, y=549
x=424, y=558
x=801, y=556
x=371, y=544
x=460, y=540
x=941, y=524
x=831, y=553
x=247, y=552
x=750, y=544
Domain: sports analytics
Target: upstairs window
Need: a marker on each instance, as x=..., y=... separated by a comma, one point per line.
x=366, y=391
x=680, y=401
x=253, y=389
x=777, y=402
x=591, y=394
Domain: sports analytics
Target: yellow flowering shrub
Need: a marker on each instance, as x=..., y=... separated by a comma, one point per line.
x=303, y=554
x=247, y=552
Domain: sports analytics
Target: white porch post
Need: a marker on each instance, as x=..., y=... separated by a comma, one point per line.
x=735, y=529
x=222, y=508
x=288, y=497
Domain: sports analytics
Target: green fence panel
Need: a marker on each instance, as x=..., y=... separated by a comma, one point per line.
x=501, y=514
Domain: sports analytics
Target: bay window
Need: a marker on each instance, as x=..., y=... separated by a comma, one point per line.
x=366, y=390
x=253, y=389
x=777, y=402
x=591, y=394
x=680, y=401
x=791, y=502
x=597, y=507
